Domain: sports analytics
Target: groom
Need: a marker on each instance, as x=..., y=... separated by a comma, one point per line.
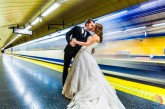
x=80, y=34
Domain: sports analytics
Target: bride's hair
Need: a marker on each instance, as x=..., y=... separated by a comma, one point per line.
x=99, y=31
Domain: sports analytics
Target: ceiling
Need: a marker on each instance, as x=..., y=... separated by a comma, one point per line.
x=22, y=12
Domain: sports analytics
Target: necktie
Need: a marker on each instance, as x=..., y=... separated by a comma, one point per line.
x=85, y=33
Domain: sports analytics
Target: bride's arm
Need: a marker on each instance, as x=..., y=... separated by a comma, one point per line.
x=90, y=41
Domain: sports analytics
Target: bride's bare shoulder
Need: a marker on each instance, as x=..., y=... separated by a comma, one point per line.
x=96, y=37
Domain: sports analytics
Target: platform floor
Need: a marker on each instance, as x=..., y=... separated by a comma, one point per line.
x=24, y=85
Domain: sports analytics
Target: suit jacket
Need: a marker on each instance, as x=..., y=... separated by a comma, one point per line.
x=77, y=33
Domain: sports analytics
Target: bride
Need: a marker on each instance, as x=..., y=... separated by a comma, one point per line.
x=85, y=84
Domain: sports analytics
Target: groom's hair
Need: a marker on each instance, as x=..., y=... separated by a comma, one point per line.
x=89, y=21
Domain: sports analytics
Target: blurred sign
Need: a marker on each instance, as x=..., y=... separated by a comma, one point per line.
x=22, y=31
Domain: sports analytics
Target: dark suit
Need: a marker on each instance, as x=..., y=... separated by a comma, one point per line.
x=70, y=51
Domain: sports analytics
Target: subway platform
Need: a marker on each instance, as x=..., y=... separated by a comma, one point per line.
x=32, y=84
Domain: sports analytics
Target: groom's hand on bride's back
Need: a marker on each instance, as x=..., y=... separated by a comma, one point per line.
x=93, y=51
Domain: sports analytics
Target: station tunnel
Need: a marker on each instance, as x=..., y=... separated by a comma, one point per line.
x=131, y=57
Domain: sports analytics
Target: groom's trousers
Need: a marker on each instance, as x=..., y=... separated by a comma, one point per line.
x=67, y=60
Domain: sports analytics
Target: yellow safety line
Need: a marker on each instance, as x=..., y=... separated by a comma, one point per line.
x=42, y=63
x=148, y=92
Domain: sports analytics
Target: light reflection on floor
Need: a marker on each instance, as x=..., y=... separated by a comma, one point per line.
x=37, y=87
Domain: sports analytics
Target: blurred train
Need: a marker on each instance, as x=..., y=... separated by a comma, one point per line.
x=133, y=43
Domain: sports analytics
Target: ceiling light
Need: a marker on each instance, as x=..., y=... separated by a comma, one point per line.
x=18, y=35
x=50, y=9
x=40, y=18
x=28, y=27
x=35, y=21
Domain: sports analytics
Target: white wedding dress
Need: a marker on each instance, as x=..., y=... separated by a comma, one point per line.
x=86, y=86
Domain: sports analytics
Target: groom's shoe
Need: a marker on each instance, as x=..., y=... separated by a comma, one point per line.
x=67, y=98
